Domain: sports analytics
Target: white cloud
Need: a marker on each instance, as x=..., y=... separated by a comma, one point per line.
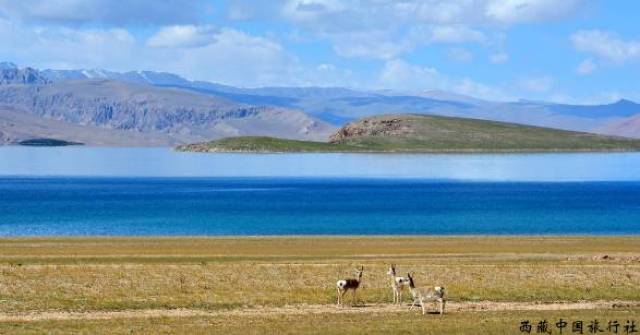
x=472, y=88
x=105, y=11
x=606, y=45
x=440, y=12
x=455, y=34
x=586, y=67
x=400, y=75
x=373, y=44
x=88, y=34
x=516, y=11
x=475, y=12
x=185, y=36
x=385, y=44
x=222, y=55
x=234, y=58
x=240, y=59
x=326, y=67
x=328, y=75
x=304, y=10
x=385, y=29
x=66, y=48
x=484, y=11
x=536, y=84
x=499, y=58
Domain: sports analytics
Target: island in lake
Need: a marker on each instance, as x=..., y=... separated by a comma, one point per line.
x=425, y=134
x=47, y=142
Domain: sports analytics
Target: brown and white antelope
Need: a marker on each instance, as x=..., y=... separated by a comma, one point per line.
x=344, y=285
x=421, y=296
x=398, y=283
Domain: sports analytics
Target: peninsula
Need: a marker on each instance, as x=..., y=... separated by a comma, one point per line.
x=414, y=133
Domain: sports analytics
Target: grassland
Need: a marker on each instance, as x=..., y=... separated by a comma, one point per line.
x=346, y=323
x=264, y=144
x=424, y=133
x=286, y=285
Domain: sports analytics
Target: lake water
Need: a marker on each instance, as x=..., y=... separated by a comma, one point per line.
x=165, y=162
x=141, y=191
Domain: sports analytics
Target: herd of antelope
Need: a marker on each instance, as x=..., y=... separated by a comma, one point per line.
x=420, y=296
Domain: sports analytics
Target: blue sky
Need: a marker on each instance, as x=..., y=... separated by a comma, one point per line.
x=573, y=51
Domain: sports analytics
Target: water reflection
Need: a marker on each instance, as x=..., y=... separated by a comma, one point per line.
x=164, y=162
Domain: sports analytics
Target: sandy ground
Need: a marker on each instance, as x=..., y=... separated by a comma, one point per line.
x=452, y=307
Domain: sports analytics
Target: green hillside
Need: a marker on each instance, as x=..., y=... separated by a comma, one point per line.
x=424, y=133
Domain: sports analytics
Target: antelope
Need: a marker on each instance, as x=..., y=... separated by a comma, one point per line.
x=344, y=285
x=421, y=296
x=398, y=283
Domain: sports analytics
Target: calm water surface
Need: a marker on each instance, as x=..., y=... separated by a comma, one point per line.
x=116, y=191
x=164, y=162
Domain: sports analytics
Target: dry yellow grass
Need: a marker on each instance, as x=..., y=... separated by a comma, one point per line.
x=259, y=248
x=345, y=323
x=212, y=274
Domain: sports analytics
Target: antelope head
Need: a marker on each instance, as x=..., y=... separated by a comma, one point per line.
x=392, y=270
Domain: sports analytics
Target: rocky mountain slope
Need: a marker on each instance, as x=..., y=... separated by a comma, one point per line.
x=127, y=113
x=11, y=74
x=629, y=127
x=16, y=126
x=340, y=105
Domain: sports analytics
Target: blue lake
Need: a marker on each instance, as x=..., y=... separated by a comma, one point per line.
x=138, y=191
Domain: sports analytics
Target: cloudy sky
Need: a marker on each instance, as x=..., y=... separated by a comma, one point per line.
x=579, y=51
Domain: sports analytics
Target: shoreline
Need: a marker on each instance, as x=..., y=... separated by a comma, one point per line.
x=322, y=236
x=400, y=152
x=326, y=238
x=178, y=149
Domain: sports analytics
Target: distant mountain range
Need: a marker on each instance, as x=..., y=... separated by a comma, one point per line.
x=11, y=74
x=98, y=110
x=156, y=108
